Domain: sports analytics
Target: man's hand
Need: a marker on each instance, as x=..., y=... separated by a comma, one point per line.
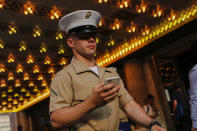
x=103, y=94
x=157, y=128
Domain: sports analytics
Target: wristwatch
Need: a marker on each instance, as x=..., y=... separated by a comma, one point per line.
x=154, y=123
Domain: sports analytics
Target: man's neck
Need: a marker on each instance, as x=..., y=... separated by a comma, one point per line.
x=90, y=62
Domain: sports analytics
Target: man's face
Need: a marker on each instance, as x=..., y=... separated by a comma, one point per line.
x=84, y=44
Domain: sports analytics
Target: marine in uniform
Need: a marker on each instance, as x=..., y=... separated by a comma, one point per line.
x=79, y=99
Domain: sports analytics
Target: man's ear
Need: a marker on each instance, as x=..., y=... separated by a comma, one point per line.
x=70, y=42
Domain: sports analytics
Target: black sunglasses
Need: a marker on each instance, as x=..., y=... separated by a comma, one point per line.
x=86, y=36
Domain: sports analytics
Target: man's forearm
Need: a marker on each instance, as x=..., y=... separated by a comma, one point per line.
x=67, y=116
x=136, y=113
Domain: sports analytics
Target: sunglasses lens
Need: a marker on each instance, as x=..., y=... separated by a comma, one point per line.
x=86, y=36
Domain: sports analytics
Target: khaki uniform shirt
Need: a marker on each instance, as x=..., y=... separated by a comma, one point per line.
x=73, y=84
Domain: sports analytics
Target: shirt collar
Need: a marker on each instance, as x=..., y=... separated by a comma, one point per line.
x=80, y=67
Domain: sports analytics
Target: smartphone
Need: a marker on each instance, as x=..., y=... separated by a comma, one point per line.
x=115, y=80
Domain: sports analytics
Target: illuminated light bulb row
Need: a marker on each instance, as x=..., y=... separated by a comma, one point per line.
x=144, y=39
x=30, y=60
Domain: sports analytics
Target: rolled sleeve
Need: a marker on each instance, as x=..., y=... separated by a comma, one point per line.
x=125, y=97
x=61, y=92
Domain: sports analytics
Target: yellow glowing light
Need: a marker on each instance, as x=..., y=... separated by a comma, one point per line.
x=10, y=90
x=116, y=25
x=4, y=103
x=9, y=98
x=2, y=83
x=43, y=48
x=142, y=8
x=2, y=44
x=27, y=93
x=55, y=13
x=37, y=32
x=16, y=94
x=35, y=89
x=2, y=68
x=51, y=70
x=63, y=61
x=23, y=90
x=20, y=98
x=15, y=101
x=2, y=3
x=59, y=35
x=19, y=68
x=11, y=58
x=10, y=76
x=3, y=95
x=158, y=12
x=25, y=76
x=36, y=69
x=22, y=46
x=12, y=29
x=47, y=60
x=100, y=1
x=40, y=77
x=17, y=83
x=28, y=8
x=30, y=59
x=31, y=84
x=44, y=83
x=131, y=27
x=61, y=49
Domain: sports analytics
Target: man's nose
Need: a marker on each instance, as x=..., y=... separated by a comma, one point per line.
x=91, y=40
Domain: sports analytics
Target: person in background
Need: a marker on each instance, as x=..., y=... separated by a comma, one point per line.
x=79, y=99
x=181, y=109
x=193, y=87
x=150, y=107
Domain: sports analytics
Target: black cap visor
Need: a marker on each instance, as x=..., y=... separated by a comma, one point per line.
x=82, y=30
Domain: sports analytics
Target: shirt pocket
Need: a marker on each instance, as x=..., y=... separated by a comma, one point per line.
x=81, y=92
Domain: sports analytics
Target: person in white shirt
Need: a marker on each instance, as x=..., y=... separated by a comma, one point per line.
x=150, y=108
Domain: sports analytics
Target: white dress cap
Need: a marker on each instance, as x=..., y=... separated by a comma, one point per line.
x=79, y=18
